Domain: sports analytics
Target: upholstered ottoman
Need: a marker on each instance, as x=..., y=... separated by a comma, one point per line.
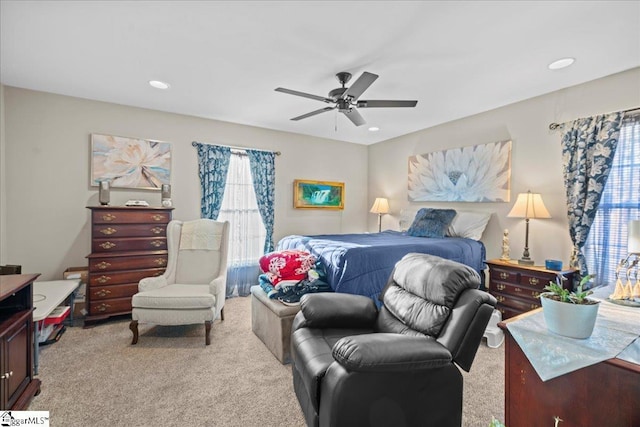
x=271, y=322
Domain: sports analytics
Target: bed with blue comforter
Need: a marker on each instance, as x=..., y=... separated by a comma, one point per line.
x=361, y=263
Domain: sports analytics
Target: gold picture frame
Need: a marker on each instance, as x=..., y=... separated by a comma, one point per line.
x=309, y=194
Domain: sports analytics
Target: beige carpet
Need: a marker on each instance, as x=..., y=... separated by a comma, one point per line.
x=95, y=377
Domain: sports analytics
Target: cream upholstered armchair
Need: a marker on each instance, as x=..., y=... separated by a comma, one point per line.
x=193, y=288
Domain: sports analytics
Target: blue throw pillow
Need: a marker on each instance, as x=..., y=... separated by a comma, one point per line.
x=431, y=222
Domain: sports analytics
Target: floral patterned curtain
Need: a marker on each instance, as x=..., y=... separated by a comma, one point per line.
x=213, y=165
x=588, y=146
x=263, y=173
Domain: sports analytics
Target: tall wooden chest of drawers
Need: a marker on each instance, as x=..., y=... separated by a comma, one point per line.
x=127, y=244
x=517, y=287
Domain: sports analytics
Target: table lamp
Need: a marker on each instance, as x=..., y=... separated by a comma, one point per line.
x=528, y=205
x=380, y=206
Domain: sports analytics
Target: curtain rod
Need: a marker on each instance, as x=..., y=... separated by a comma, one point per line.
x=277, y=153
x=556, y=126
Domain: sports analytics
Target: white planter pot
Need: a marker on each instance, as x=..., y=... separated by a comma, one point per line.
x=569, y=320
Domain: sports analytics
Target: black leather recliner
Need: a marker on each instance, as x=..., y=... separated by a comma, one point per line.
x=356, y=365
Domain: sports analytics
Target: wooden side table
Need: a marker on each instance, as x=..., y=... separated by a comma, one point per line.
x=604, y=394
x=518, y=287
x=17, y=382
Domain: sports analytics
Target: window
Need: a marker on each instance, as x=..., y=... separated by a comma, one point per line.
x=247, y=232
x=620, y=203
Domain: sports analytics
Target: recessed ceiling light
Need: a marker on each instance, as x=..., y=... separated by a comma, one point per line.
x=374, y=129
x=158, y=84
x=561, y=63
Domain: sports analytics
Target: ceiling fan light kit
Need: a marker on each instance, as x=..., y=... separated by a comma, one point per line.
x=346, y=99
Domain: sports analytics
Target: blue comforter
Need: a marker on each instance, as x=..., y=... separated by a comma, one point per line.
x=362, y=263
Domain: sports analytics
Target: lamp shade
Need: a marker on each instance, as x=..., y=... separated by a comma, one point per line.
x=529, y=205
x=380, y=206
x=634, y=237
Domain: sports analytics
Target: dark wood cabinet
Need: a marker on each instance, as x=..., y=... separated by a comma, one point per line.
x=518, y=287
x=127, y=244
x=17, y=384
x=604, y=394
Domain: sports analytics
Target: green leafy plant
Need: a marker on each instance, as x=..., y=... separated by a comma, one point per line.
x=579, y=296
x=496, y=423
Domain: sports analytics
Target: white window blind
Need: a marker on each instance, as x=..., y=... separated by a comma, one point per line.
x=620, y=203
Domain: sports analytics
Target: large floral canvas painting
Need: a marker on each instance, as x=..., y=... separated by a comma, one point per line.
x=130, y=162
x=480, y=173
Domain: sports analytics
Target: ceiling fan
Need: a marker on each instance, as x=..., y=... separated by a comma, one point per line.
x=346, y=99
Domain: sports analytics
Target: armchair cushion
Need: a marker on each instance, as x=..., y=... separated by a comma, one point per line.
x=151, y=283
x=390, y=353
x=333, y=310
x=176, y=296
x=197, y=266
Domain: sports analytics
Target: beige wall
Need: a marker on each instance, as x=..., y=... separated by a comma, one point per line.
x=46, y=172
x=535, y=161
x=44, y=168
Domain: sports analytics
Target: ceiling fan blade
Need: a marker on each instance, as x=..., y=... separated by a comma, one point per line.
x=360, y=85
x=378, y=103
x=313, y=113
x=305, y=95
x=353, y=115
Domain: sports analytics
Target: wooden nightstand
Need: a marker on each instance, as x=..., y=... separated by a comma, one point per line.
x=517, y=287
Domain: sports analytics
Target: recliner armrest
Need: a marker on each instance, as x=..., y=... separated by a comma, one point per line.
x=336, y=310
x=384, y=352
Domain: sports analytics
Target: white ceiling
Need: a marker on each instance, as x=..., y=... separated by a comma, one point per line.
x=224, y=59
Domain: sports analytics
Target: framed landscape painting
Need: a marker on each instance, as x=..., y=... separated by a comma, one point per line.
x=130, y=162
x=318, y=194
x=479, y=173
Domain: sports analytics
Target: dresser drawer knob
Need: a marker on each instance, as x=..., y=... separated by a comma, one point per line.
x=103, y=279
x=500, y=298
x=535, y=294
x=102, y=265
x=156, y=243
x=103, y=292
x=157, y=230
x=504, y=275
x=107, y=245
x=533, y=280
x=517, y=289
x=534, y=306
x=501, y=287
x=157, y=217
x=108, y=217
x=160, y=261
x=108, y=231
x=103, y=307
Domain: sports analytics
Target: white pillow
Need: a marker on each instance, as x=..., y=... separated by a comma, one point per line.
x=406, y=218
x=469, y=224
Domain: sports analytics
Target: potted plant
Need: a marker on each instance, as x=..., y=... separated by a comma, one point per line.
x=570, y=314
